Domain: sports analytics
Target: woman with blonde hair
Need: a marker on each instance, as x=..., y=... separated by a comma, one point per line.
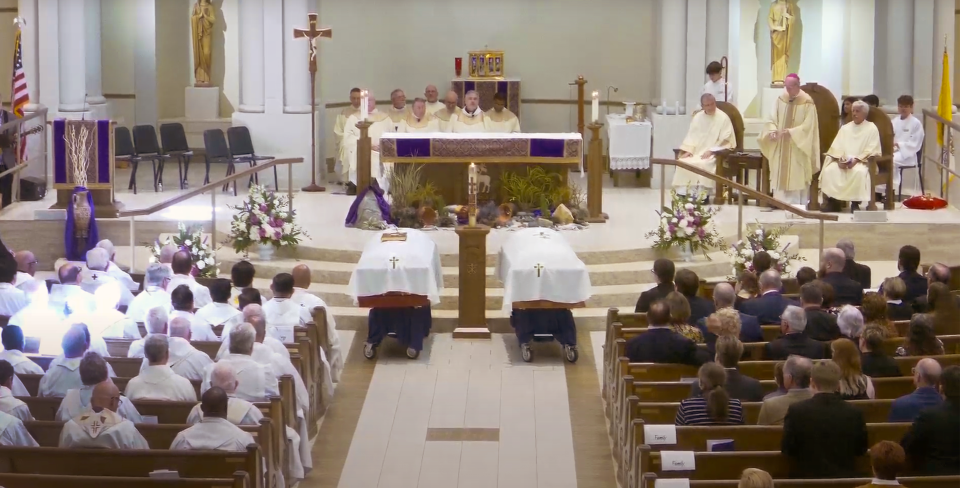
x=874, y=311
x=724, y=322
x=854, y=385
x=679, y=314
x=755, y=478
x=714, y=406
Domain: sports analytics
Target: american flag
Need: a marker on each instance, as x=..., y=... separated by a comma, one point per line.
x=20, y=95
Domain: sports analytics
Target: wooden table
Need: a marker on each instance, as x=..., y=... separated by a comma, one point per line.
x=735, y=165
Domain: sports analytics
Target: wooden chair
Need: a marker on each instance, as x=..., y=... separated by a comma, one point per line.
x=881, y=168
x=649, y=481
x=828, y=118
x=240, y=480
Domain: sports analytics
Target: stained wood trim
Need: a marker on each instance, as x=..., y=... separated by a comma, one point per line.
x=9, y=10
x=531, y=101
x=120, y=96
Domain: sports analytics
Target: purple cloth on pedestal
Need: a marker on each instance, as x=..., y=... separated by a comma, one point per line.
x=352, y=215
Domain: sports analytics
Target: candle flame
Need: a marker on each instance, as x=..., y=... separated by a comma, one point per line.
x=596, y=94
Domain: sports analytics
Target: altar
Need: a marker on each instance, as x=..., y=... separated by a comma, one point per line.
x=487, y=89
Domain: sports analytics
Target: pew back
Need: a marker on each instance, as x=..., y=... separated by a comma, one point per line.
x=240, y=480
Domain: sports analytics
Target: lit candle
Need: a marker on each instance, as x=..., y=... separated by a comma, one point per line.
x=473, y=174
x=596, y=106
x=363, y=105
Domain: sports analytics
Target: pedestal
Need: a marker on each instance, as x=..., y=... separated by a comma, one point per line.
x=202, y=103
x=595, y=176
x=363, y=156
x=473, y=283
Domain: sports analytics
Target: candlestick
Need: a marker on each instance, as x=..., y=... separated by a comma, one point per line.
x=595, y=108
x=473, y=172
x=364, y=108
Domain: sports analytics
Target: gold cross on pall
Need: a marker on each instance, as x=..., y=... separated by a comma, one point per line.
x=538, y=267
x=394, y=260
x=312, y=34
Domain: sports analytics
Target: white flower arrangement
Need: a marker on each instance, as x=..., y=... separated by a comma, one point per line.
x=264, y=218
x=766, y=240
x=191, y=240
x=686, y=222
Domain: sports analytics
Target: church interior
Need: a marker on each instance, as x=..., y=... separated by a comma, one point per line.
x=440, y=244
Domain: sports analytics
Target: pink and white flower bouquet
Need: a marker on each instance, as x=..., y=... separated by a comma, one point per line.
x=761, y=239
x=265, y=218
x=687, y=223
x=191, y=240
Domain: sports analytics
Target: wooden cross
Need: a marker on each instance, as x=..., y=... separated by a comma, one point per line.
x=538, y=267
x=394, y=260
x=312, y=34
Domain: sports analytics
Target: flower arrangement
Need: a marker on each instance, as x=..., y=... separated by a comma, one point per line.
x=687, y=223
x=759, y=240
x=191, y=240
x=264, y=218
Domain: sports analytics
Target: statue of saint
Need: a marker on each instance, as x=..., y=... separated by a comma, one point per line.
x=781, y=20
x=202, y=21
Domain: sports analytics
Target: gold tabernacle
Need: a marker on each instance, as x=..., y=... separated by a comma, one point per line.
x=486, y=64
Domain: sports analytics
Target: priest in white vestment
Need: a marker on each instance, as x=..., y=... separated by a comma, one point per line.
x=183, y=304
x=12, y=299
x=182, y=265
x=907, y=139
x=64, y=371
x=9, y=404
x=380, y=124
x=100, y=426
x=67, y=296
x=716, y=84
x=449, y=111
x=38, y=313
x=419, y=120
x=113, y=270
x=92, y=371
x=214, y=431
x=301, y=283
x=790, y=140
x=500, y=119
x=257, y=381
x=710, y=130
x=340, y=125
x=155, y=323
x=398, y=108
x=154, y=293
x=241, y=276
x=106, y=320
x=220, y=312
x=26, y=267
x=185, y=360
x=432, y=96
x=846, y=175
x=158, y=381
x=12, y=338
x=95, y=276
x=13, y=433
x=471, y=118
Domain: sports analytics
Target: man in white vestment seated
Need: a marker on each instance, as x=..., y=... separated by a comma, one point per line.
x=114, y=270
x=93, y=370
x=340, y=125
x=183, y=304
x=907, y=139
x=185, y=360
x=845, y=175
x=398, y=108
x=241, y=276
x=500, y=119
x=270, y=351
x=219, y=311
x=432, y=96
x=380, y=124
x=106, y=320
x=12, y=299
x=9, y=404
x=156, y=324
x=154, y=292
x=13, y=433
x=166, y=255
x=182, y=265
x=214, y=431
x=100, y=425
x=63, y=374
x=419, y=120
x=716, y=84
x=12, y=338
x=710, y=130
x=301, y=283
x=38, y=314
x=449, y=110
x=67, y=297
x=95, y=276
x=26, y=267
x=471, y=118
x=282, y=313
x=257, y=381
x=239, y=411
x=158, y=381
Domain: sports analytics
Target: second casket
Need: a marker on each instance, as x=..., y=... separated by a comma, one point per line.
x=539, y=269
x=398, y=270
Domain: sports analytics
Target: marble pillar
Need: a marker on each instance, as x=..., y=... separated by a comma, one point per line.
x=296, y=72
x=921, y=69
x=251, y=56
x=696, y=53
x=896, y=49
x=943, y=34
x=673, y=50
x=27, y=9
x=72, y=55
x=94, y=86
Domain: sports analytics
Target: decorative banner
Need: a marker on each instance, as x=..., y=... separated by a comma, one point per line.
x=100, y=171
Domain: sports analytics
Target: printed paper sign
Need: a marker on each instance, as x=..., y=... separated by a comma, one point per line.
x=677, y=461
x=659, y=434
x=671, y=483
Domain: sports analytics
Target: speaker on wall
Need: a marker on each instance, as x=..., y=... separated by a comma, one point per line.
x=32, y=188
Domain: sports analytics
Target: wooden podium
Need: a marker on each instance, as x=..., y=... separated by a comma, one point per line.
x=99, y=148
x=473, y=283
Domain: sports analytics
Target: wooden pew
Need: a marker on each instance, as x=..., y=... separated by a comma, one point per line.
x=32, y=383
x=616, y=321
x=649, y=481
x=727, y=465
x=123, y=366
x=119, y=347
x=240, y=480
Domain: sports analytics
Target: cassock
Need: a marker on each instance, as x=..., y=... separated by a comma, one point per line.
x=257, y=381
x=201, y=294
x=200, y=330
x=13, y=432
x=908, y=136
x=434, y=107
x=90, y=280
x=310, y=301
x=793, y=160
x=503, y=121
x=13, y=406
x=427, y=123
x=21, y=363
x=104, y=430
x=338, y=130
x=854, y=141
x=122, y=277
x=12, y=299
x=109, y=323
x=465, y=122
x=706, y=133
x=77, y=400
x=220, y=313
x=213, y=433
x=715, y=88
x=380, y=124
x=239, y=412
x=444, y=116
x=71, y=298
x=185, y=360
x=397, y=115
x=160, y=382
x=151, y=297
x=62, y=375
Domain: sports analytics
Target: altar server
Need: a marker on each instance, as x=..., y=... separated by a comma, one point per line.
x=500, y=119
x=93, y=370
x=907, y=138
x=419, y=120
x=471, y=118
x=113, y=270
x=12, y=338
x=100, y=426
x=257, y=381
x=449, y=111
x=183, y=303
x=709, y=131
x=64, y=371
x=432, y=96
x=380, y=123
x=9, y=404
x=339, y=127
x=214, y=431
x=95, y=276
x=154, y=293
x=219, y=312
x=845, y=175
x=790, y=140
x=158, y=381
x=301, y=283
x=716, y=84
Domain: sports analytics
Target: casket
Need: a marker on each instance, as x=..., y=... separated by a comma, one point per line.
x=395, y=273
x=539, y=270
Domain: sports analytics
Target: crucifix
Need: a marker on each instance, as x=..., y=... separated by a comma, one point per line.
x=311, y=35
x=539, y=268
x=394, y=260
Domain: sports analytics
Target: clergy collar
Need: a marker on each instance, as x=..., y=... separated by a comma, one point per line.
x=476, y=112
x=214, y=420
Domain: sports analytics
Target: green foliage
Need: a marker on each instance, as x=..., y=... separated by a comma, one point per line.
x=425, y=194
x=530, y=190
x=404, y=182
x=578, y=198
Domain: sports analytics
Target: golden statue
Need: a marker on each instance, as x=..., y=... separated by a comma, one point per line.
x=781, y=20
x=202, y=21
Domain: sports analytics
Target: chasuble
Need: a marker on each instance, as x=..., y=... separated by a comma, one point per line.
x=465, y=122
x=503, y=121
x=338, y=129
x=381, y=123
x=443, y=117
x=706, y=133
x=397, y=115
x=427, y=123
x=793, y=160
x=854, y=141
x=103, y=429
x=434, y=107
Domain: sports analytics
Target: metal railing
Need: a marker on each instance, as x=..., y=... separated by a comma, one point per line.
x=213, y=188
x=741, y=191
x=17, y=124
x=944, y=170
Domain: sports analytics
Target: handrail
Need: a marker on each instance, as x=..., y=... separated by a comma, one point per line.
x=21, y=120
x=16, y=169
x=940, y=120
x=943, y=169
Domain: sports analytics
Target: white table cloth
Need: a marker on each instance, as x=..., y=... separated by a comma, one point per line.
x=629, y=143
x=539, y=264
x=411, y=266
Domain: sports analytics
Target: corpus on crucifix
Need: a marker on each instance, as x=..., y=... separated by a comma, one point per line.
x=311, y=34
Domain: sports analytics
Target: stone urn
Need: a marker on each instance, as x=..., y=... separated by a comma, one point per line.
x=81, y=216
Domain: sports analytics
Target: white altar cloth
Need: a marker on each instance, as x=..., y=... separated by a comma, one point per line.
x=629, y=143
x=539, y=264
x=411, y=266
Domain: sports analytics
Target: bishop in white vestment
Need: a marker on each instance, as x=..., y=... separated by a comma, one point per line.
x=790, y=140
x=157, y=381
x=100, y=426
x=380, y=124
x=214, y=431
x=709, y=131
x=500, y=119
x=845, y=175
x=470, y=118
x=907, y=139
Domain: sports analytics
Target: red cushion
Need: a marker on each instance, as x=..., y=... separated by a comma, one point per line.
x=925, y=202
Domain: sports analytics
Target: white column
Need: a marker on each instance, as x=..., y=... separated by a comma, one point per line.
x=833, y=31
x=696, y=52
x=673, y=50
x=72, y=56
x=28, y=50
x=145, y=62
x=922, y=70
x=860, y=40
x=296, y=72
x=898, y=50
x=718, y=30
x=92, y=52
x=942, y=32
x=251, y=56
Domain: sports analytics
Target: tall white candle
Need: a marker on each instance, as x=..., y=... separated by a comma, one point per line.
x=363, y=105
x=595, y=112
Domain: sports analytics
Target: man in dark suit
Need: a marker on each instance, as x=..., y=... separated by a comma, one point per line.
x=770, y=304
x=938, y=273
x=821, y=326
x=824, y=436
x=926, y=375
x=852, y=269
x=845, y=290
x=793, y=340
x=723, y=297
x=933, y=442
x=739, y=386
x=908, y=262
x=688, y=284
x=663, y=269
x=660, y=344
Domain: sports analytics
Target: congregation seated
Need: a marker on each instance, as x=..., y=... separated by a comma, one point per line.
x=214, y=431
x=9, y=404
x=887, y=461
x=680, y=317
x=933, y=442
x=183, y=305
x=660, y=344
x=182, y=264
x=938, y=273
x=63, y=374
x=282, y=313
x=155, y=322
x=724, y=297
x=100, y=425
x=821, y=325
x=113, y=270
x=796, y=381
x=165, y=258
x=266, y=344
x=805, y=275
x=748, y=287
x=893, y=292
x=12, y=430
x=908, y=261
x=67, y=297
x=158, y=381
x=874, y=311
x=663, y=270
x=12, y=299
x=824, y=435
x=301, y=283
x=688, y=284
x=105, y=320
x=713, y=406
x=943, y=309
x=709, y=129
x=793, y=340
x=92, y=370
x=874, y=361
x=921, y=340
x=851, y=268
x=845, y=290
x=95, y=276
x=241, y=276
x=185, y=360
x=239, y=411
x=771, y=303
x=854, y=385
x=845, y=175
x=778, y=379
x=219, y=311
x=257, y=381
x=38, y=310
x=154, y=293
x=850, y=322
x=26, y=267
x=729, y=349
x=926, y=376
x=272, y=353
x=726, y=322
x=13, y=342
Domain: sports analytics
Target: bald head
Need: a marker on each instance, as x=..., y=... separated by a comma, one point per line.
x=69, y=274
x=223, y=376
x=180, y=327
x=927, y=373
x=724, y=295
x=450, y=101
x=75, y=341
x=938, y=273
x=105, y=395
x=253, y=315
x=301, y=276
x=833, y=260
x=26, y=262
x=166, y=253
x=213, y=403
x=182, y=263
x=770, y=280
